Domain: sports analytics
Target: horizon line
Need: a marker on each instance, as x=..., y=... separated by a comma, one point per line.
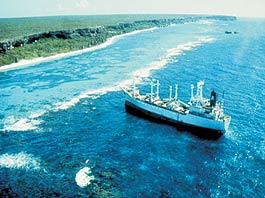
x=117, y=14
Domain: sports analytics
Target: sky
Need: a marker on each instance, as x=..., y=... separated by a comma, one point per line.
x=28, y=8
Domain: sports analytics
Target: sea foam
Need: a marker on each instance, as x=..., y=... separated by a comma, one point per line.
x=93, y=94
x=206, y=22
x=171, y=53
x=32, y=122
x=19, y=161
x=21, y=124
x=84, y=177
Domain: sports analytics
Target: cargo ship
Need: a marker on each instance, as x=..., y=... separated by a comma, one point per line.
x=201, y=114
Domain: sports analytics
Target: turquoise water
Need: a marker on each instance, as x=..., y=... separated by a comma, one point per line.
x=61, y=116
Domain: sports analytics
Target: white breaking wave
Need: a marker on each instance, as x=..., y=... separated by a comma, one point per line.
x=33, y=121
x=171, y=53
x=19, y=161
x=206, y=22
x=145, y=72
x=84, y=177
x=94, y=94
x=205, y=39
x=21, y=124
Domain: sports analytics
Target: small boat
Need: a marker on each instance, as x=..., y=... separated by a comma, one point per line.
x=199, y=113
x=230, y=32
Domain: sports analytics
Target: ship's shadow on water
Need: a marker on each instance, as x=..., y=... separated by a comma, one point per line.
x=200, y=133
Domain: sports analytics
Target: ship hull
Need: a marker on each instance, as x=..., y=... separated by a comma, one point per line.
x=195, y=124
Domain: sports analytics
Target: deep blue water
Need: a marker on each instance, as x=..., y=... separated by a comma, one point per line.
x=57, y=115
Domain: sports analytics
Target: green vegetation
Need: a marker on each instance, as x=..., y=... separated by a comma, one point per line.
x=27, y=38
x=11, y=28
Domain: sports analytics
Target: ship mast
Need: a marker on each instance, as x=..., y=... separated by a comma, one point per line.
x=134, y=88
x=170, y=92
x=191, y=92
x=157, y=89
x=152, y=91
x=154, y=83
x=176, y=92
x=223, y=98
x=199, y=90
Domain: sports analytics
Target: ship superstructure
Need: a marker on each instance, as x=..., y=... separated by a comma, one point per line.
x=199, y=112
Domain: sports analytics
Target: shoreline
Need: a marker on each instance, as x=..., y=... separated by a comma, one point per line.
x=109, y=41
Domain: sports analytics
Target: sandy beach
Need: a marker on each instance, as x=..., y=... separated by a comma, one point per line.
x=26, y=63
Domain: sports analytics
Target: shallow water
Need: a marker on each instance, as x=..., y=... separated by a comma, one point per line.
x=60, y=117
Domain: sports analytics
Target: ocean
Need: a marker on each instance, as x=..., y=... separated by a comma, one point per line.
x=64, y=131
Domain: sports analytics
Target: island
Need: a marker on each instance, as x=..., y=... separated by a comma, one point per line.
x=29, y=38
